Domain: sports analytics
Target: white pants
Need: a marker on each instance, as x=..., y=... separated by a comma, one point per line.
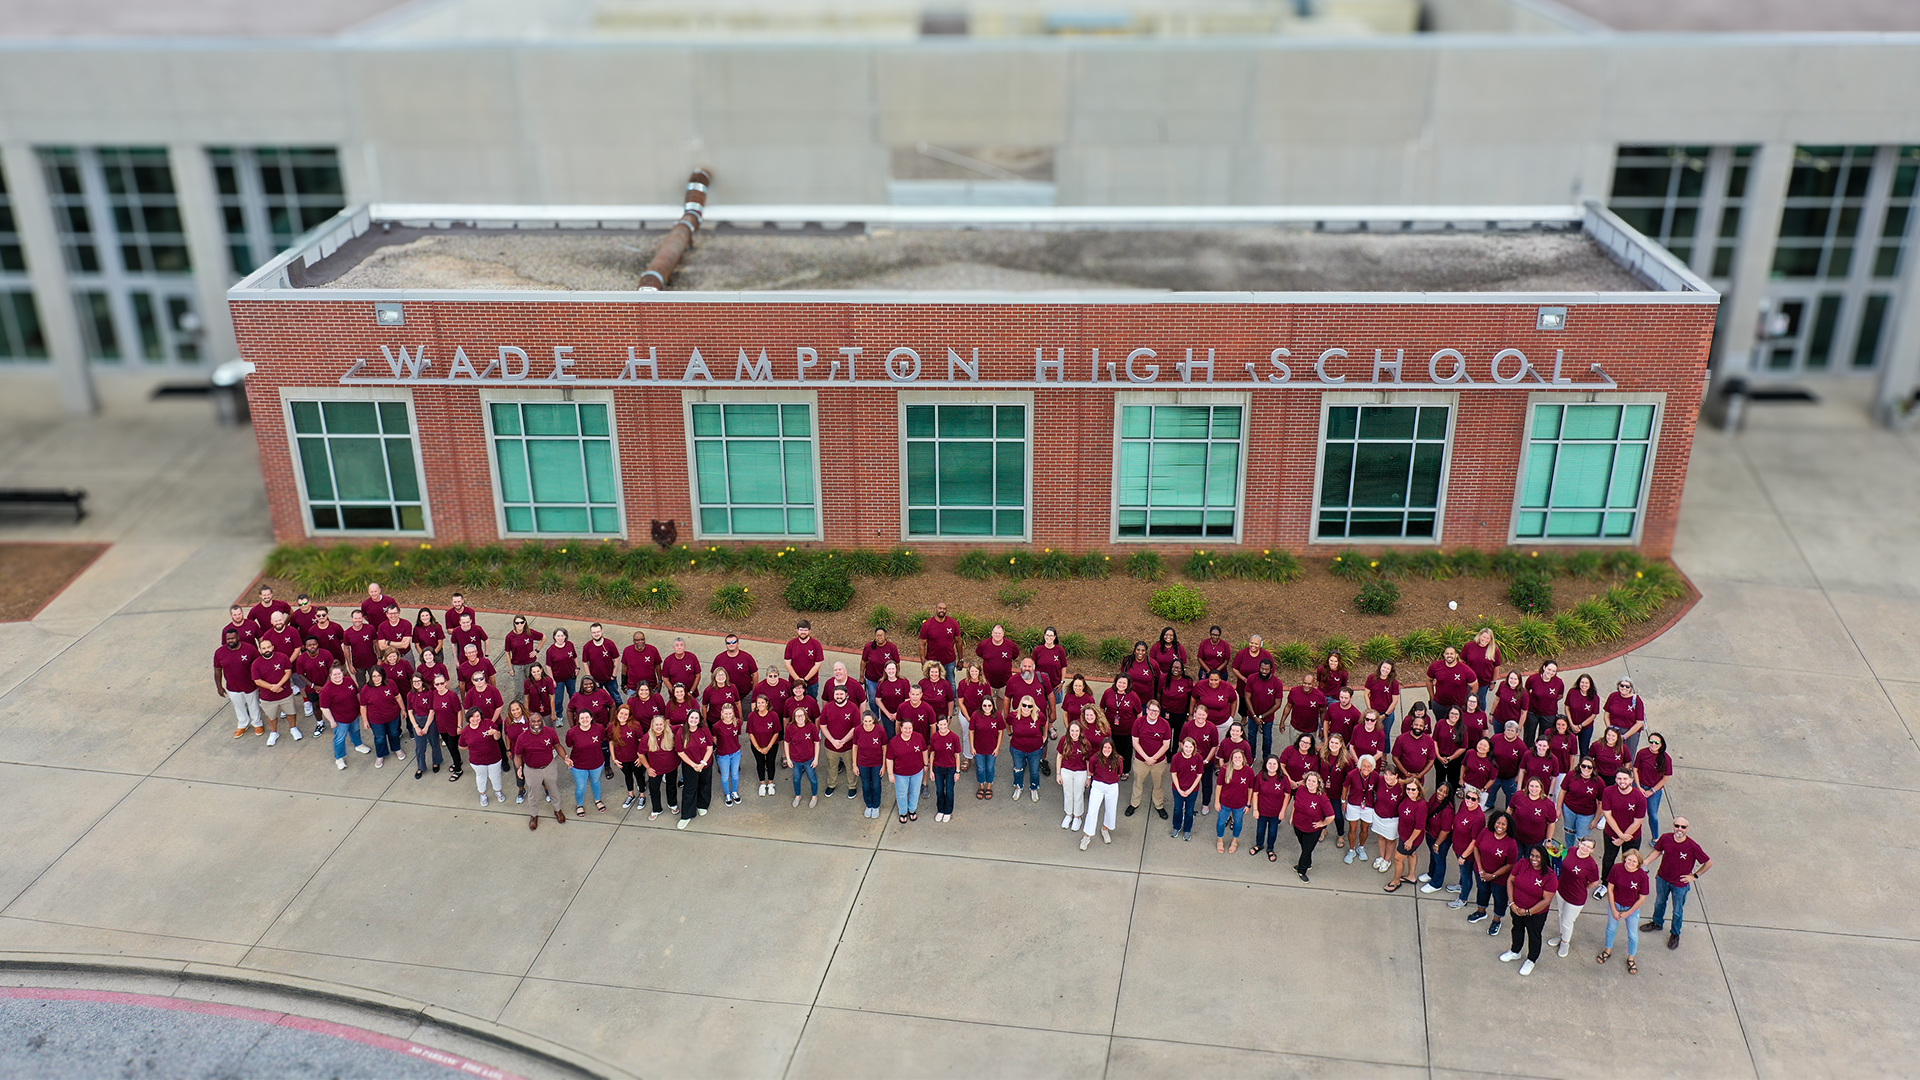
x=1103, y=796
x=1073, y=787
x=246, y=708
x=1568, y=913
x=958, y=722
x=485, y=774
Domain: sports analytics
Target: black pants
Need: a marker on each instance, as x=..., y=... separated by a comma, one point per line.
x=1538, y=726
x=1448, y=773
x=1612, y=851
x=632, y=772
x=696, y=789
x=943, y=790
x=1123, y=746
x=453, y=751
x=1308, y=841
x=664, y=789
x=764, y=762
x=1527, y=928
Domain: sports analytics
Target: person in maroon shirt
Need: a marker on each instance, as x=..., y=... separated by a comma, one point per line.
x=916, y=709
x=481, y=694
x=273, y=675
x=340, y=706
x=1682, y=861
x=1219, y=697
x=563, y=664
x=1579, y=871
x=1626, y=889
x=1165, y=650
x=534, y=753
x=640, y=663
x=261, y=614
x=938, y=692
x=1121, y=709
x=237, y=620
x=763, y=735
x=377, y=604
x=1545, y=691
x=537, y=690
x=721, y=692
x=1261, y=696
x=627, y=736
x=839, y=719
x=1176, y=701
x=1362, y=789
x=842, y=679
x=940, y=640
x=331, y=635
x=1411, y=819
x=395, y=632
x=663, y=766
x=302, y=613
x=1449, y=680
x=1104, y=771
x=1583, y=707
x=1246, y=662
x=310, y=667
x=1493, y=853
x=1186, y=768
x=1534, y=815
x=1469, y=821
x=381, y=706
x=481, y=740
x=1270, y=790
x=361, y=645
x=399, y=672
x=1484, y=656
x=1383, y=693
x=444, y=705
x=1415, y=750
x=1215, y=654
x=1441, y=813
x=1205, y=733
x=1508, y=749
x=1531, y=887
x=1232, y=792
x=1627, y=713
x=1029, y=683
x=1305, y=704
x=680, y=667
x=466, y=630
x=456, y=607
x=943, y=754
x=1050, y=661
x=1310, y=813
x=1541, y=763
x=906, y=767
x=600, y=656
x=800, y=747
x=1565, y=746
x=1450, y=744
x=997, y=653
x=1579, y=801
x=739, y=664
x=512, y=724
x=1027, y=732
x=1076, y=698
x=1652, y=769
x=279, y=630
x=1341, y=716
x=727, y=728
x=1331, y=676
x=1298, y=760
x=696, y=770
x=1074, y=750
x=1610, y=753
x=1623, y=820
x=803, y=656
x=1510, y=700
x=1152, y=741
x=870, y=754
x=427, y=631
x=875, y=655
x=1336, y=764
x=1141, y=673
x=983, y=731
x=890, y=692
x=523, y=651
x=584, y=749
x=233, y=679
x=471, y=661
x=419, y=717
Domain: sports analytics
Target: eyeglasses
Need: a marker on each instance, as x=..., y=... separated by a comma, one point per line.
x=1679, y=828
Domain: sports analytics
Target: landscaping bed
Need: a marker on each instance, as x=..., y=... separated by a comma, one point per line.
x=1099, y=602
x=31, y=575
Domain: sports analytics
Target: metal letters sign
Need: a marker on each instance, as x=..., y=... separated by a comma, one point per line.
x=1053, y=368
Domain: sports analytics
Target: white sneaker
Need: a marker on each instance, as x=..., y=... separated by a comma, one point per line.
x=1382, y=865
x=1350, y=855
x=1509, y=957
x=1106, y=836
x=1084, y=841
x=1423, y=879
x=294, y=730
x=1456, y=903
x=1429, y=888
x=339, y=763
x=1067, y=822
x=796, y=800
x=1600, y=893
x=308, y=707
x=273, y=737
x=1526, y=968
x=483, y=798
x=703, y=812
x=362, y=750
x=380, y=763
x=682, y=824
x=1552, y=941
x=813, y=801
x=1077, y=823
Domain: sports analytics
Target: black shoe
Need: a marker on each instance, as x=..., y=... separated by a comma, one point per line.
x=607, y=773
x=1302, y=873
x=829, y=793
x=436, y=768
x=1650, y=927
x=1131, y=809
x=1162, y=811
x=1673, y=941
x=455, y=778
x=1046, y=767
x=418, y=773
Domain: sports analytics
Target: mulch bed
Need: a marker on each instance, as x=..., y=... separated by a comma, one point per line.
x=1313, y=609
x=31, y=575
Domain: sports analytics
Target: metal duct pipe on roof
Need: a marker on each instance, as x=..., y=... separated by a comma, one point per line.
x=680, y=237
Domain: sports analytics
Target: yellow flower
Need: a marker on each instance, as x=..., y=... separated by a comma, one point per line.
x=424, y=547
x=396, y=562
x=1636, y=573
x=1010, y=562
x=1266, y=551
x=779, y=554
x=1375, y=562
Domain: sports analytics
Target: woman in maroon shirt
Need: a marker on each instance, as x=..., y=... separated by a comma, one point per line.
x=1270, y=790
x=1139, y=668
x=1232, y=791
x=1580, y=801
x=428, y=633
x=1070, y=772
x=1493, y=854
x=1166, y=650
x=1534, y=814
x=1531, y=889
x=1103, y=792
x=1412, y=820
x=943, y=752
x=1610, y=754
x=1336, y=762
x=801, y=747
x=425, y=734
x=1363, y=784
x=1186, y=768
x=1312, y=813
x=1627, y=712
x=1545, y=693
x=1176, y=694
x=482, y=744
x=1440, y=817
x=1076, y=697
x=726, y=745
x=1541, y=763
x=1331, y=676
x=1450, y=745
x=1383, y=693
x=585, y=756
x=539, y=690
x=1652, y=768
x=1565, y=745
x=1050, y=660
x=696, y=769
x=663, y=767
x=763, y=734
x=1299, y=759
x=380, y=707
x=984, y=725
x=1121, y=707
x=563, y=664
x=719, y=692
x=1478, y=770
x=973, y=689
x=906, y=767
x=1027, y=733
x=1627, y=889
x=1583, y=705
x=1510, y=701
x=1235, y=738
x=625, y=740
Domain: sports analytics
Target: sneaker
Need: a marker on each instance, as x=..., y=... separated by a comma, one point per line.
x=1429, y=888
x=1526, y=968
x=483, y=799
x=294, y=730
x=319, y=728
x=1077, y=823
x=653, y=815
x=682, y=824
x=362, y=750
x=1187, y=836
x=814, y=801
x=259, y=731
x=1424, y=878
x=379, y=763
x=1494, y=930
x=829, y=793
x=703, y=812
x=1456, y=903
x=1600, y=893
x=1382, y=865
x=1106, y=836
x=1509, y=957
x=308, y=707
x=1067, y=822
x=1552, y=941
x=520, y=798
x=339, y=763
x=273, y=738
x=796, y=800
x=851, y=794
x=1173, y=834
x=1084, y=841
x=1351, y=855
x=628, y=805
x=1302, y=873
x=1565, y=948
x=1477, y=916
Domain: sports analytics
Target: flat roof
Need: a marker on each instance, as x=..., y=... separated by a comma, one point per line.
x=1142, y=254
x=30, y=19
x=1751, y=16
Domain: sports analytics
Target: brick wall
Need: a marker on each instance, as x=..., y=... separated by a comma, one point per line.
x=1645, y=347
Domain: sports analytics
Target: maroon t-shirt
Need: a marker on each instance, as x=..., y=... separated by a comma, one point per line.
x=583, y=744
x=1073, y=755
x=561, y=661
x=942, y=637
x=1450, y=683
x=763, y=728
x=1509, y=703
x=1175, y=696
x=314, y=667
x=236, y=667
x=856, y=690
x=1106, y=768
x=1626, y=807
x=1532, y=818
x=1468, y=823
x=1581, y=794
x=1074, y=706
x=986, y=727
x=740, y=667
x=682, y=670
x=1623, y=712
x=1507, y=754
x=1609, y=760
x=488, y=701
x=427, y=636
x=696, y=746
x=1264, y=694
x=1414, y=752
x=1412, y=818
x=1219, y=700
x=539, y=695
x=922, y=715
x=273, y=669
x=1029, y=733
x=1310, y=808
x=937, y=693
x=806, y=656
x=286, y=641
x=1650, y=769
x=1527, y=886
x=1491, y=853
x=599, y=703
x=523, y=646
x=1205, y=736
x=996, y=660
x=391, y=632
x=776, y=688
x=1050, y=661
x=663, y=760
x=1364, y=741
x=1485, y=668
x=1037, y=690
x=1440, y=815
x=1150, y=733
x=341, y=701
x=1381, y=693
x=946, y=750
x=1216, y=654
x=1187, y=770
x=839, y=722
x=332, y=637
x=641, y=663
x=1543, y=695
x=1582, y=708
x=1678, y=857
x=870, y=746
x=482, y=744
x=1295, y=765
x=445, y=709
x=1121, y=710
x=1162, y=657
x=1629, y=886
x=892, y=693
x=1228, y=746
x=1246, y=662
x=713, y=697
x=802, y=741
x=1342, y=719
x=381, y=702
x=262, y=614
x=360, y=645
x=1546, y=768
x=1271, y=792
x=462, y=636
x=1304, y=704
x=1578, y=876
x=628, y=738
x=1235, y=791
x=466, y=668
x=536, y=748
x=726, y=737
x=875, y=657
x=600, y=657
x=376, y=610
x=908, y=754
x=1478, y=771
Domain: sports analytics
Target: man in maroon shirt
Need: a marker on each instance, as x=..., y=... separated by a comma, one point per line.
x=486, y=698
x=600, y=655
x=1508, y=750
x=841, y=679
x=1342, y=716
x=261, y=614
x=940, y=641
x=997, y=652
x=310, y=668
x=377, y=604
x=394, y=632
x=466, y=630
x=680, y=667
x=1260, y=698
x=303, y=613
x=533, y=756
x=237, y=620
x=839, y=719
x=273, y=675
x=456, y=608
x=875, y=655
x=331, y=635
x=1682, y=861
x=360, y=644
x=1305, y=703
x=444, y=704
x=739, y=664
x=639, y=663
x=233, y=679
x=1028, y=684
x=803, y=657
x=915, y=710
x=279, y=630
x=1449, y=680
x=1152, y=742
x=1246, y=662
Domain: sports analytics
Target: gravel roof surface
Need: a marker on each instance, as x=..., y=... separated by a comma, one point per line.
x=1257, y=259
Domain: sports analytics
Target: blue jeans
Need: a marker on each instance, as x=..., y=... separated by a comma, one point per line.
x=1662, y=890
x=381, y=746
x=943, y=790
x=1653, y=812
x=1386, y=725
x=340, y=735
x=1026, y=764
x=1469, y=878
x=873, y=695
x=1576, y=825
x=1510, y=786
x=420, y=745
x=1437, y=862
x=1183, y=810
x=1266, y=833
x=1260, y=734
x=984, y=767
x=562, y=690
x=806, y=769
x=1235, y=814
x=870, y=776
x=729, y=774
x=906, y=792
x=1498, y=891
x=1633, y=932
x=582, y=780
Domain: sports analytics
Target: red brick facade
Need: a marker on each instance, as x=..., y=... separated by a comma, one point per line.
x=1645, y=347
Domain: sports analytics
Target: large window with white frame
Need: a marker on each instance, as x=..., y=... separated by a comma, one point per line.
x=1178, y=469
x=125, y=245
x=755, y=469
x=1585, y=473
x=359, y=466
x=20, y=334
x=271, y=194
x=967, y=468
x=1382, y=469
x=554, y=462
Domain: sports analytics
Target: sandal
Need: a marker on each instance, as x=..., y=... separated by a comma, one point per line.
x=1395, y=887
x=581, y=811
x=915, y=816
x=601, y=805
x=1605, y=955
x=1271, y=857
x=903, y=819
x=1632, y=968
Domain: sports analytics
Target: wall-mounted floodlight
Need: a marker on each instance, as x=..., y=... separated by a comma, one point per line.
x=389, y=315
x=1551, y=318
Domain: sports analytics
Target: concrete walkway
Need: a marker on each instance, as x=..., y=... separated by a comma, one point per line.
x=771, y=941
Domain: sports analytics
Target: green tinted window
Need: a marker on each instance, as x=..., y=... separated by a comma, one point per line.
x=753, y=470
x=1585, y=472
x=555, y=460
x=1380, y=469
x=1179, y=470
x=963, y=461
x=356, y=479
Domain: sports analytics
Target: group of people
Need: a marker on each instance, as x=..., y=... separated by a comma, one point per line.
x=1499, y=778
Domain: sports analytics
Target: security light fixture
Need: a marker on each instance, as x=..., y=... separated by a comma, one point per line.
x=1551, y=318
x=393, y=315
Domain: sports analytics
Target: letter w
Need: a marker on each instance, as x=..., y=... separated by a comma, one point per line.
x=414, y=363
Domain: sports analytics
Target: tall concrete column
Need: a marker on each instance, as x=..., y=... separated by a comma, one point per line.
x=1766, y=195
x=1900, y=367
x=206, y=227
x=47, y=269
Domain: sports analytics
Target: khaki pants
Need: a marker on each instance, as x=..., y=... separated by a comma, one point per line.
x=1154, y=775
x=544, y=781
x=832, y=760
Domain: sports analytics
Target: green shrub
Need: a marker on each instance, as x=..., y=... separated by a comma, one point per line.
x=1113, y=651
x=1015, y=596
x=1146, y=565
x=452, y=554
x=1572, y=630
x=1531, y=593
x=1662, y=581
x=1075, y=644
x=1394, y=564
x=864, y=563
x=566, y=556
x=1454, y=635
x=1507, y=562
x=1014, y=564
x=532, y=554
x=976, y=565
x=1600, y=618
x=1051, y=565
x=1349, y=565
x=1533, y=636
x=1471, y=563
x=513, y=577
x=731, y=601
x=550, y=582
x=1431, y=565
x=603, y=557
x=1297, y=655
x=915, y=620
x=1280, y=567
x=1093, y=566
x=902, y=562
x=824, y=586
x=1633, y=605
x=1379, y=648
x=1178, y=603
x=1624, y=562
x=622, y=591
x=1377, y=596
x=662, y=594
x=971, y=629
x=1199, y=566
x=1589, y=564
x=1337, y=644
x=477, y=576
x=1028, y=637
x=1421, y=646
x=589, y=586
x=881, y=618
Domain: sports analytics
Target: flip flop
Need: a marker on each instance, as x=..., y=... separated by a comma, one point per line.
x=1395, y=887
